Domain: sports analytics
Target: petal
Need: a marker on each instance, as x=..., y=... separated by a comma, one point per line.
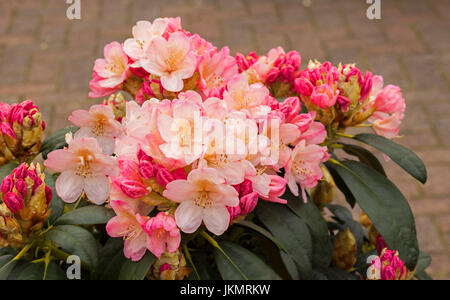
x=136, y=247
x=69, y=186
x=225, y=195
x=81, y=118
x=217, y=219
x=180, y=190
x=117, y=226
x=61, y=160
x=171, y=82
x=97, y=189
x=188, y=216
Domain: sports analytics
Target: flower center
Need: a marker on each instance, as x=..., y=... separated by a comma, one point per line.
x=300, y=168
x=202, y=199
x=84, y=169
x=99, y=127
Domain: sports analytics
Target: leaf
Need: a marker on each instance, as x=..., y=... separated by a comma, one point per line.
x=290, y=230
x=404, y=157
x=318, y=228
x=364, y=156
x=341, y=185
x=423, y=263
x=6, y=265
x=386, y=207
x=56, y=204
x=136, y=270
x=75, y=240
x=87, y=215
x=111, y=259
x=262, y=231
x=251, y=265
x=291, y=267
x=35, y=271
x=204, y=267
x=337, y=274
x=56, y=141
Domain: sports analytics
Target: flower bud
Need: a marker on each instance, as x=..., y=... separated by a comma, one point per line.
x=272, y=75
x=163, y=177
x=21, y=131
x=179, y=174
x=303, y=86
x=10, y=230
x=132, y=188
x=290, y=107
x=344, y=252
x=146, y=169
x=248, y=203
x=242, y=62
x=170, y=266
x=25, y=194
x=293, y=59
x=323, y=192
x=118, y=104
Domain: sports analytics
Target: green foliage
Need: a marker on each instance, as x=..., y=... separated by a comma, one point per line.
x=56, y=141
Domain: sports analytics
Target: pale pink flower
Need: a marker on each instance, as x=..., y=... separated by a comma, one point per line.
x=163, y=231
x=143, y=34
x=390, y=100
x=173, y=60
x=251, y=99
x=204, y=196
x=111, y=71
x=265, y=63
x=304, y=167
x=83, y=167
x=216, y=69
x=386, y=125
x=277, y=188
x=324, y=96
x=202, y=46
x=129, y=224
x=100, y=123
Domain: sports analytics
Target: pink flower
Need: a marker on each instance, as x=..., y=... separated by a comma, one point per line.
x=83, y=167
x=303, y=86
x=304, y=167
x=143, y=34
x=173, y=60
x=111, y=71
x=324, y=96
x=163, y=231
x=251, y=99
x=202, y=197
x=202, y=46
x=216, y=69
x=129, y=224
x=100, y=123
x=277, y=189
x=265, y=63
x=390, y=100
x=386, y=125
x=129, y=181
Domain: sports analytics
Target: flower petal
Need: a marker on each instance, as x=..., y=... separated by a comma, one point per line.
x=188, y=216
x=97, y=189
x=217, y=219
x=69, y=186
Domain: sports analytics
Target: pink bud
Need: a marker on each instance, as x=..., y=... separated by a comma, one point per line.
x=343, y=103
x=13, y=202
x=234, y=212
x=164, y=267
x=246, y=187
x=287, y=73
x=388, y=273
x=380, y=244
x=366, y=86
x=179, y=174
x=132, y=188
x=139, y=72
x=294, y=59
x=272, y=75
x=252, y=57
x=248, y=203
x=355, y=72
x=21, y=187
x=48, y=194
x=163, y=177
x=6, y=129
x=242, y=62
x=303, y=86
x=7, y=184
x=146, y=170
x=290, y=108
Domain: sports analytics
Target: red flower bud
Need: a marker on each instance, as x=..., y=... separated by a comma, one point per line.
x=13, y=202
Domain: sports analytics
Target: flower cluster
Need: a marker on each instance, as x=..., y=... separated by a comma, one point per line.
x=205, y=138
x=21, y=129
x=25, y=206
x=388, y=266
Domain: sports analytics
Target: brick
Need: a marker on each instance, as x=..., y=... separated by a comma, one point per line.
x=430, y=205
x=428, y=236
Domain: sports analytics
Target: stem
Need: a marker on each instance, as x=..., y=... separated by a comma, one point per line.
x=188, y=256
x=337, y=146
x=59, y=254
x=363, y=125
x=19, y=255
x=216, y=245
x=333, y=161
x=345, y=135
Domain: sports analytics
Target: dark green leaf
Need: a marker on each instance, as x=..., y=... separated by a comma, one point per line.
x=423, y=276
x=203, y=266
x=364, y=156
x=337, y=274
x=56, y=141
x=341, y=185
x=36, y=272
x=290, y=230
x=291, y=267
x=56, y=204
x=423, y=263
x=86, y=215
x=404, y=157
x=386, y=207
x=136, y=270
x=6, y=265
x=110, y=261
x=251, y=265
x=77, y=241
x=262, y=231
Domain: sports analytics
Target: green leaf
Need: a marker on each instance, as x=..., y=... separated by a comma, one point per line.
x=291, y=267
x=290, y=230
x=251, y=265
x=364, y=156
x=56, y=204
x=386, y=207
x=262, y=231
x=337, y=274
x=111, y=259
x=35, y=271
x=56, y=141
x=77, y=241
x=6, y=265
x=423, y=263
x=404, y=157
x=341, y=185
x=87, y=215
x=204, y=268
x=317, y=225
x=136, y=270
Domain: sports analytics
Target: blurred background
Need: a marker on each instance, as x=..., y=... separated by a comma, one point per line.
x=48, y=58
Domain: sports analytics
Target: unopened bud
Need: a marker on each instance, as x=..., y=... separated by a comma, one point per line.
x=344, y=252
x=323, y=192
x=170, y=266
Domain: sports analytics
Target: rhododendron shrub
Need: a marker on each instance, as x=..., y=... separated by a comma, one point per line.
x=198, y=159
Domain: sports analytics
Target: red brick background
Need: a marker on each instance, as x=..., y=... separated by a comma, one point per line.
x=48, y=58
